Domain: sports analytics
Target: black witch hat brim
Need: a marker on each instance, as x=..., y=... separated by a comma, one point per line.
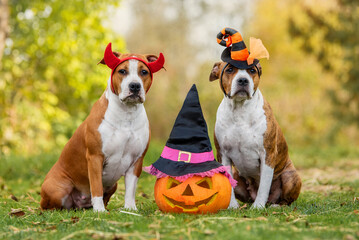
x=180, y=168
x=226, y=57
x=181, y=171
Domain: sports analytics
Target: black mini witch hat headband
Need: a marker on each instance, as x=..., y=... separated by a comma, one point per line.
x=237, y=53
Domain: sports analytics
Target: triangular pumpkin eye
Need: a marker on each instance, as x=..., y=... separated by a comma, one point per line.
x=205, y=183
x=172, y=183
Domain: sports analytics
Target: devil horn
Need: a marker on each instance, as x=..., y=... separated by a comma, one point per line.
x=158, y=64
x=110, y=59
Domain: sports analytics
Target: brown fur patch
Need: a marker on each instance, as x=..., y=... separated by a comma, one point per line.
x=227, y=78
x=277, y=157
x=107, y=195
x=219, y=158
x=274, y=142
x=85, y=149
x=117, y=77
x=215, y=72
x=255, y=76
x=146, y=79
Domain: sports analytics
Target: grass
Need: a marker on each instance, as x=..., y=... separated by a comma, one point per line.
x=328, y=207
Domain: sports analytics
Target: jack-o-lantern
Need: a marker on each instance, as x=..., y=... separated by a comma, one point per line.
x=194, y=195
x=189, y=179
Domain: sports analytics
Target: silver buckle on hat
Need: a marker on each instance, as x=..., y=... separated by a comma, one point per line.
x=184, y=152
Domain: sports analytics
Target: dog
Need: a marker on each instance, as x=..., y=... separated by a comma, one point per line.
x=110, y=143
x=248, y=137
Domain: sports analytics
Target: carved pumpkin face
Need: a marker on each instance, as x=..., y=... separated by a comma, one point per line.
x=195, y=195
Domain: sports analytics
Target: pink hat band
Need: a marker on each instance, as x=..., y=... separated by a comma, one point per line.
x=188, y=157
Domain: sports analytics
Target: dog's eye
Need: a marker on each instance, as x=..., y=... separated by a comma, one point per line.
x=144, y=72
x=122, y=71
x=253, y=70
x=229, y=70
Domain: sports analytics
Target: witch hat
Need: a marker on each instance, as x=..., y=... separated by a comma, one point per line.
x=237, y=53
x=188, y=150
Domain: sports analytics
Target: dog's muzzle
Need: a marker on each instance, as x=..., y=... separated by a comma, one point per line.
x=242, y=88
x=134, y=93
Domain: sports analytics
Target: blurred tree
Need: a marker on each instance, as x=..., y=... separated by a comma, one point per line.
x=329, y=30
x=293, y=81
x=164, y=33
x=49, y=78
x=4, y=16
x=185, y=31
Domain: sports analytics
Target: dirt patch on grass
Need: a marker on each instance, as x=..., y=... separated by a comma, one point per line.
x=331, y=178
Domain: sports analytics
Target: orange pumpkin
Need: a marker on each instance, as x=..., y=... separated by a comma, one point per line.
x=195, y=195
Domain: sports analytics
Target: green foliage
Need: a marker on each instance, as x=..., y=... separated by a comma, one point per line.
x=49, y=77
x=329, y=31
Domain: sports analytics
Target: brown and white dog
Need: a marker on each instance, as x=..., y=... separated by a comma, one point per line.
x=248, y=137
x=110, y=143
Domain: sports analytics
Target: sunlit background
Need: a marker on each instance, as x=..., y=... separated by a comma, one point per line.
x=49, y=77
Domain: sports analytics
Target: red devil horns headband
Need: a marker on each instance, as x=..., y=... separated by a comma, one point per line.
x=112, y=62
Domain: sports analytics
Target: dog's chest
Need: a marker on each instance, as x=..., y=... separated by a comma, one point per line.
x=123, y=142
x=240, y=136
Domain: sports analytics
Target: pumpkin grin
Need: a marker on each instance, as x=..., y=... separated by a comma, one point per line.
x=190, y=208
x=194, y=195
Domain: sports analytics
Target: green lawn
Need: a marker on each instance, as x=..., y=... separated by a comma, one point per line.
x=328, y=207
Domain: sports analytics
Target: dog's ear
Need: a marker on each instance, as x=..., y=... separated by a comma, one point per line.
x=117, y=54
x=151, y=57
x=215, y=72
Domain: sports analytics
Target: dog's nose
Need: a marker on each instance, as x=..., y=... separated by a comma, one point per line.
x=243, y=82
x=134, y=87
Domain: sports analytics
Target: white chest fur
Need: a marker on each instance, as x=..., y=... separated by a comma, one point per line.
x=240, y=128
x=124, y=133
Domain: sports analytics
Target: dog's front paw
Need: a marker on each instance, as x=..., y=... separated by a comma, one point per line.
x=275, y=205
x=257, y=205
x=99, y=210
x=97, y=204
x=130, y=207
x=233, y=204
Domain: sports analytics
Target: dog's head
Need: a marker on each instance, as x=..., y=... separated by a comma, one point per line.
x=132, y=78
x=237, y=84
x=132, y=74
